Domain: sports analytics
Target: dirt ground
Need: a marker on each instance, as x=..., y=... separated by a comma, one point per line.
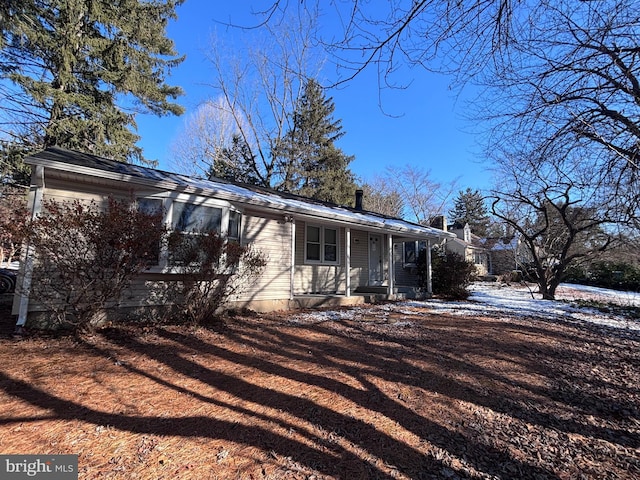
x=404, y=395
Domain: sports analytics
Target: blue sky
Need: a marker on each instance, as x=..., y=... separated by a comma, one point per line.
x=429, y=130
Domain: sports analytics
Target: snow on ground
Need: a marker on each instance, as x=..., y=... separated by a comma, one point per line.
x=522, y=301
x=500, y=302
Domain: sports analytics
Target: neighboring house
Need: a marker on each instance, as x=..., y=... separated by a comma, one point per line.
x=505, y=255
x=318, y=253
x=470, y=247
x=508, y=255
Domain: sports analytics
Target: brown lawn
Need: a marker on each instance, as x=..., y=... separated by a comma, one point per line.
x=407, y=395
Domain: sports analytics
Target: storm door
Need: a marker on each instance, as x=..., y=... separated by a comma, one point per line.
x=376, y=259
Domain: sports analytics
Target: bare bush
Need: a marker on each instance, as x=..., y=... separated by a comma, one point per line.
x=13, y=217
x=210, y=271
x=86, y=256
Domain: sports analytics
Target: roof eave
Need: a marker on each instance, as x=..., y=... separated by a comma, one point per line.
x=253, y=201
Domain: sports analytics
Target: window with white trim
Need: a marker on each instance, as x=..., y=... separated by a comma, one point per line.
x=151, y=206
x=233, y=225
x=321, y=245
x=193, y=218
x=411, y=252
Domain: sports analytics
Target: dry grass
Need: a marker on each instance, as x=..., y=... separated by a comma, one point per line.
x=410, y=395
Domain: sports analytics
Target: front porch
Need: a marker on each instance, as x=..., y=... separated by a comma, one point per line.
x=354, y=263
x=311, y=301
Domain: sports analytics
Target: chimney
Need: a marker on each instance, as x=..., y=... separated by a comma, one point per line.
x=439, y=222
x=359, y=195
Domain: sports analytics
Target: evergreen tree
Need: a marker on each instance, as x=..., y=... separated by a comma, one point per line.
x=236, y=163
x=74, y=73
x=469, y=208
x=311, y=164
x=13, y=171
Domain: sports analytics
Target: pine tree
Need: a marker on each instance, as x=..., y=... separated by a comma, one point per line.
x=311, y=163
x=236, y=163
x=74, y=73
x=469, y=208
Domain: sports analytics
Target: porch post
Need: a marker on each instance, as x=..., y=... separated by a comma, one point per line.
x=35, y=205
x=292, y=270
x=347, y=261
x=428, y=261
x=391, y=277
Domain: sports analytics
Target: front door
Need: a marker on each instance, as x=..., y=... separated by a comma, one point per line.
x=376, y=259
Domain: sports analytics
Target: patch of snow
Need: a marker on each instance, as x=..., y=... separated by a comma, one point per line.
x=323, y=316
x=502, y=302
x=570, y=291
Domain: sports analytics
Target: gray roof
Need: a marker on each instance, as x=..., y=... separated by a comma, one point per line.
x=259, y=197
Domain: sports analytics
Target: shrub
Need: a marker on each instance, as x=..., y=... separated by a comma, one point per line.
x=85, y=257
x=614, y=275
x=451, y=274
x=210, y=271
x=13, y=218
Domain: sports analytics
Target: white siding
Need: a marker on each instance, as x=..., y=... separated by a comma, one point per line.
x=272, y=236
x=359, y=258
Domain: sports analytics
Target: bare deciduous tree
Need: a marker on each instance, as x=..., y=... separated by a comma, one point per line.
x=561, y=221
x=256, y=94
x=408, y=192
x=205, y=135
x=570, y=88
x=389, y=35
x=423, y=197
x=381, y=197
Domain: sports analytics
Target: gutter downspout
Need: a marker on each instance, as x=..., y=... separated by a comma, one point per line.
x=391, y=277
x=36, y=191
x=428, y=261
x=347, y=254
x=292, y=270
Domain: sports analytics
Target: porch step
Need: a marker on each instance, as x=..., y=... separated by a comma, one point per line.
x=375, y=290
x=410, y=292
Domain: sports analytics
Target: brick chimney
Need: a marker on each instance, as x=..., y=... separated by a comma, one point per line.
x=359, y=195
x=439, y=222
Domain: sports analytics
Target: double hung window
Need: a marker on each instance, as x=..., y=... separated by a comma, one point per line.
x=151, y=206
x=411, y=252
x=186, y=217
x=233, y=225
x=321, y=245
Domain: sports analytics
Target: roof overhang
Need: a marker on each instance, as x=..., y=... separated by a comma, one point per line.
x=262, y=201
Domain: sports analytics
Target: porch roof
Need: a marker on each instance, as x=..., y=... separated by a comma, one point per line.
x=257, y=197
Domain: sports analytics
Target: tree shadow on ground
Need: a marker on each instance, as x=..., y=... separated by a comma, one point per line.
x=383, y=373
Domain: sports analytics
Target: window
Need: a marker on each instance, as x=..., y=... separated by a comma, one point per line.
x=330, y=245
x=233, y=227
x=412, y=251
x=321, y=245
x=151, y=206
x=188, y=217
x=313, y=244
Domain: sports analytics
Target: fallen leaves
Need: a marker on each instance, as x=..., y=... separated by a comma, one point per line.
x=411, y=394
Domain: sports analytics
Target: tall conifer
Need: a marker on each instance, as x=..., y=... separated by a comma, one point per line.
x=313, y=165
x=74, y=73
x=469, y=208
